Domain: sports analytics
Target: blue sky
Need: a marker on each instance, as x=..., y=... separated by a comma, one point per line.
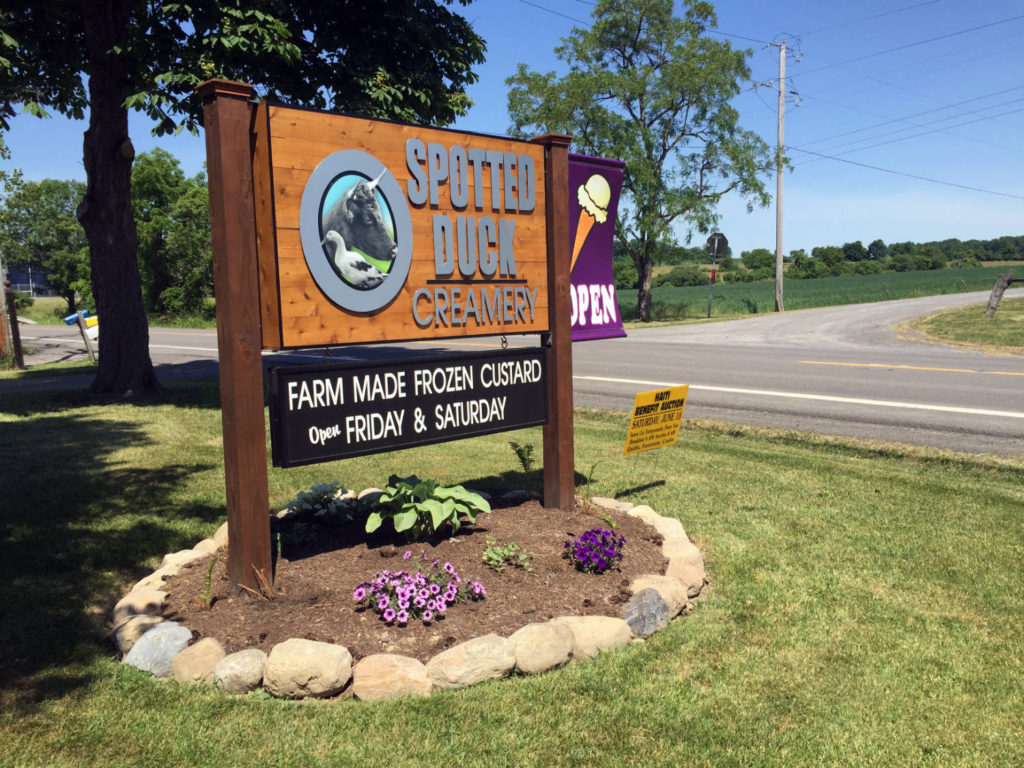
x=885, y=91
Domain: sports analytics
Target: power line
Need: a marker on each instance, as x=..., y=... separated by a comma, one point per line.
x=926, y=133
x=906, y=118
x=912, y=45
x=869, y=18
x=556, y=13
x=908, y=175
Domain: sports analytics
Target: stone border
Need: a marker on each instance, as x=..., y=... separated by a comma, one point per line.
x=298, y=669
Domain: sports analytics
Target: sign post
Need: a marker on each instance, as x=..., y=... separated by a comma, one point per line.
x=226, y=117
x=716, y=244
x=559, y=459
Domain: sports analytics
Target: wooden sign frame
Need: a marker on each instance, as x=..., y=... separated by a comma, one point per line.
x=239, y=198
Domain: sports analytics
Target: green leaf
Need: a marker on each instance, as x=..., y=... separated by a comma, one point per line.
x=438, y=514
x=405, y=520
x=373, y=522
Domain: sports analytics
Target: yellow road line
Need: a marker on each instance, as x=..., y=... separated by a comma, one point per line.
x=912, y=367
x=887, y=365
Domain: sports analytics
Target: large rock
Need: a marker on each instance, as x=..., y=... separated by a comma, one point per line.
x=540, y=647
x=613, y=504
x=593, y=634
x=483, y=658
x=182, y=557
x=683, y=550
x=220, y=536
x=300, y=668
x=671, y=589
x=140, y=602
x=155, y=650
x=669, y=528
x=691, y=574
x=156, y=579
x=646, y=613
x=207, y=546
x=196, y=663
x=643, y=512
x=390, y=676
x=240, y=672
x=127, y=633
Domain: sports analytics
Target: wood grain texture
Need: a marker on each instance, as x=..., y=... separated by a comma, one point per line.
x=298, y=141
x=226, y=117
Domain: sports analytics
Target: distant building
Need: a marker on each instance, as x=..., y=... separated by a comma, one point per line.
x=29, y=281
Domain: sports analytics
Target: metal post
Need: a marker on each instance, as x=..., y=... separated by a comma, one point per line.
x=711, y=287
x=83, y=329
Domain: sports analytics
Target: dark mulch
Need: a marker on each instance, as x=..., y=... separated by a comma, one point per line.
x=321, y=565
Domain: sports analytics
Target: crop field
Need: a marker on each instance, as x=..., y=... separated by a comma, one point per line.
x=750, y=298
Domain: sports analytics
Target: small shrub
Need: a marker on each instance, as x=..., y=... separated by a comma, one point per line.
x=524, y=453
x=425, y=595
x=497, y=556
x=323, y=500
x=595, y=551
x=22, y=301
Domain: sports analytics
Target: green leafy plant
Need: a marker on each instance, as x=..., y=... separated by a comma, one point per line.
x=420, y=508
x=525, y=455
x=497, y=556
x=205, y=600
x=323, y=500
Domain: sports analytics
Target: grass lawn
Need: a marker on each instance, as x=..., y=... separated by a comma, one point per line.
x=970, y=326
x=867, y=606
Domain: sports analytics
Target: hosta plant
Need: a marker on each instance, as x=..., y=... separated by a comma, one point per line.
x=421, y=508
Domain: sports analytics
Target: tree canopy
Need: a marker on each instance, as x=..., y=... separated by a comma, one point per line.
x=404, y=59
x=39, y=231
x=653, y=89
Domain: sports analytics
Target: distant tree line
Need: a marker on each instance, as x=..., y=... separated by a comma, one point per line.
x=40, y=230
x=824, y=261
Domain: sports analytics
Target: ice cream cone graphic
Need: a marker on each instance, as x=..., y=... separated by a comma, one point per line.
x=594, y=197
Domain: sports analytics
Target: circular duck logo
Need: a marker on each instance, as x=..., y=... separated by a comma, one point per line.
x=356, y=231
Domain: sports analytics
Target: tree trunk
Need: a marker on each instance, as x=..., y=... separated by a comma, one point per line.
x=645, y=271
x=106, y=212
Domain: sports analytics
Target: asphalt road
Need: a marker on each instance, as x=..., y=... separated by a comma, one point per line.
x=836, y=370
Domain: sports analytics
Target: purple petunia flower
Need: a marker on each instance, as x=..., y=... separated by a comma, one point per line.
x=428, y=615
x=383, y=603
x=407, y=555
x=402, y=616
x=359, y=594
x=434, y=589
x=389, y=614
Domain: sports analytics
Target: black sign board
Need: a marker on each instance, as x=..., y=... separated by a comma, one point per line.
x=327, y=412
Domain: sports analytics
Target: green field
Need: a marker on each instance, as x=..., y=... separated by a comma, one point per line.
x=670, y=303
x=866, y=609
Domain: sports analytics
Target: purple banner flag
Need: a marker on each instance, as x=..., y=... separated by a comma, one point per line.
x=594, y=186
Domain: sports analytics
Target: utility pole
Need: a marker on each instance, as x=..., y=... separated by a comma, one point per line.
x=779, y=155
x=778, y=177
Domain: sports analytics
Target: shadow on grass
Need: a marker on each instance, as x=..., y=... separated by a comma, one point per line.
x=192, y=394
x=74, y=527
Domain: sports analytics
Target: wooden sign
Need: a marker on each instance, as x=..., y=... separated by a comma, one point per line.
x=375, y=231
x=655, y=420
